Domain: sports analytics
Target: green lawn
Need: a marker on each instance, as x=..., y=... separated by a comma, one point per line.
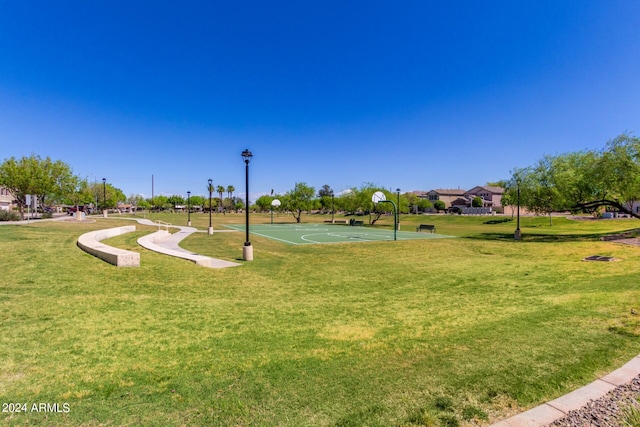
x=425, y=332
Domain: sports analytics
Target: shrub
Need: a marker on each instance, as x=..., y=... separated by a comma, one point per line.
x=8, y=216
x=631, y=416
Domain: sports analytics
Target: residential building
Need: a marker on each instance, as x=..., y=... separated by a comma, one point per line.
x=448, y=196
x=7, y=201
x=491, y=196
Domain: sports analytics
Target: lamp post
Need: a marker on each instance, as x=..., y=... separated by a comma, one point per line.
x=210, y=188
x=188, y=208
x=398, y=220
x=332, y=208
x=271, y=204
x=104, y=197
x=518, y=234
x=247, y=249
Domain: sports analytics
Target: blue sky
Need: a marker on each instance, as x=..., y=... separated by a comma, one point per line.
x=416, y=94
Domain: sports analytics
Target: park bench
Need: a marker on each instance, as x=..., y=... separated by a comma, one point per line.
x=353, y=222
x=429, y=227
x=337, y=221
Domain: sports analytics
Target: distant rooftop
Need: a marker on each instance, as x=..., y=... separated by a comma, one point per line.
x=449, y=191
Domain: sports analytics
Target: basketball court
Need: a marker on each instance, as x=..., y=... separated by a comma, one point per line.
x=301, y=234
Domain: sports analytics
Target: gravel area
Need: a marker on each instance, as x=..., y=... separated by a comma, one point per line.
x=608, y=411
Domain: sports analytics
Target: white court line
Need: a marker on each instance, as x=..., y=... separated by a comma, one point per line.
x=347, y=236
x=264, y=235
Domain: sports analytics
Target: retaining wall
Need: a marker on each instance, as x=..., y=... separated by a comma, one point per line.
x=91, y=243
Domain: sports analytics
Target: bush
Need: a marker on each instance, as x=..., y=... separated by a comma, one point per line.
x=9, y=216
x=439, y=205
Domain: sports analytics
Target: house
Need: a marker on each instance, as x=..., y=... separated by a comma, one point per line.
x=448, y=196
x=7, y=201
x=491, y=196
x=125, y=207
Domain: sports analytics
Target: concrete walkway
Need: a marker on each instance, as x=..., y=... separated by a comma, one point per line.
x=560, y=407
x=64, y=217
x=168, y=244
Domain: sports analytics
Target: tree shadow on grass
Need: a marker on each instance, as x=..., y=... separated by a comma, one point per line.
x=543, y=238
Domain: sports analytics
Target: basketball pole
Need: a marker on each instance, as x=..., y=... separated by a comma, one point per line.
x=395, y=217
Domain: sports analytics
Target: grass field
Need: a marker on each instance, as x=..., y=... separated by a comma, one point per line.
x=435, y=332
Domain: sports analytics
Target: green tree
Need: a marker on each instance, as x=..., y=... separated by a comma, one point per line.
x=196, y=201
x=263, y=203
x=161, y=203
x=214, y=204
x=439, y=205
x=299, y=199
x=347, y=201
x=36, y=176
x=107, y=193
x=412, y=200
x=220, y=190
x=537, y=187
x=358, y=200
x=404, y=205
x=137, y=201
x=584, y=181
x=424, y=204
x=477, y=202
x=80, y=194
x=325, y=197
x=506, y=199
x=230, y=190
x=175, y=200
x=609, y=179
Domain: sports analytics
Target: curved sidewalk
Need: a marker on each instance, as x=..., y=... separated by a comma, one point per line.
x=163, y=242
x=560, y=407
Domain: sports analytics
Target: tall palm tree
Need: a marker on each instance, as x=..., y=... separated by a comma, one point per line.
x=220, y=190
x=230, y=190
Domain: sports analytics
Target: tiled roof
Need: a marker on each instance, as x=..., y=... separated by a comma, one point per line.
x=450, y=192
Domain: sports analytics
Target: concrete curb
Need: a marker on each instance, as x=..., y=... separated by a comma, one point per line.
x=560, y=407
x=90, y=243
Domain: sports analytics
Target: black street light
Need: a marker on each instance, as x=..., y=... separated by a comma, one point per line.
x=210, y=188
x=104, y=193
x=247, y=250
x=398, y=220
x=189, y=208
x=332, y=208
x=518, y=233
